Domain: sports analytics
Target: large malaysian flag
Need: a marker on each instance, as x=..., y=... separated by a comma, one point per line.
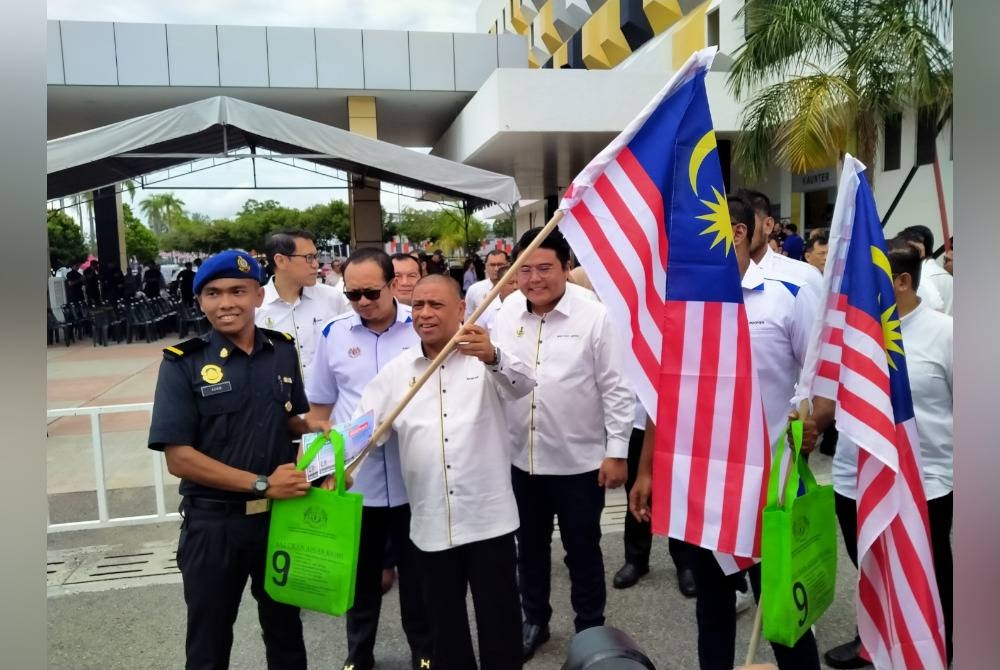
x=859, y=361
x=649, y=222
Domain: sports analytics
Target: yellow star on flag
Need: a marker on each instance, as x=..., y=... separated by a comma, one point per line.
x=722, y=226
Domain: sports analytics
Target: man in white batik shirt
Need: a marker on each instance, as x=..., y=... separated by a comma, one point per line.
x=455, y=455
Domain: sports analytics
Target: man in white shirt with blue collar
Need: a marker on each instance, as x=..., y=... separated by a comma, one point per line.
x=772, y=264
x=570, y=437
x=456, y=457
x=780, y=315
x=927, y=343
x=294, y=302
x=352, y=349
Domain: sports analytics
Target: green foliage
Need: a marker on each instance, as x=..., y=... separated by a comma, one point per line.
x=66, y=245
x=163, y=211
x=823, y=74
x=503, y=227
x=253, y=223
x=140, y=242
x=447, y=228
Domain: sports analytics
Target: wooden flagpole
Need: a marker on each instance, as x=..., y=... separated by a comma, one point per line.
x=386, y=424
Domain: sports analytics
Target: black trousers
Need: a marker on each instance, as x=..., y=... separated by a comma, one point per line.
x=638, y=536
x=487, y=568
x=216, y=554
x=715, y=612
x=578, y=502
x=379, y=524
x=939, y=514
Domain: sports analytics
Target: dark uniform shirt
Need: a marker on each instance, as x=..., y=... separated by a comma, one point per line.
x=229, y=405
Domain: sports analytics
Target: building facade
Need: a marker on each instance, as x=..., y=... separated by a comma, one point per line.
x=536, y=93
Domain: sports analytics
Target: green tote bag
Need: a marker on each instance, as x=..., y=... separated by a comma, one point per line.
x=798, y=549
x=312, y=545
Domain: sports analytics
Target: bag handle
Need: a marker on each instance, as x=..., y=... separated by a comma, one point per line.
x=337, y=441
x=798, y=468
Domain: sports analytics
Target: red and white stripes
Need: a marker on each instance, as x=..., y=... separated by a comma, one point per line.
x=898, y=608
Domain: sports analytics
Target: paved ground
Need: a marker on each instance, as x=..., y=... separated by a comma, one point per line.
x=115, y=599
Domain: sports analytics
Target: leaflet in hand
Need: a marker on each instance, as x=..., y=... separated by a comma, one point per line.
x=356, y=434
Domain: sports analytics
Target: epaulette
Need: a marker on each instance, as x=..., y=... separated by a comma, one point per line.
x=176, y=352
x=277, y=334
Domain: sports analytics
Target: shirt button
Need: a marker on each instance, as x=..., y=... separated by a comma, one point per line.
x=446, y=439
x=448, y=466
x=444, y=390
x=445, y=414
x=451, y=493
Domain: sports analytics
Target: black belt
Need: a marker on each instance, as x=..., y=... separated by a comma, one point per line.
x=243, y=507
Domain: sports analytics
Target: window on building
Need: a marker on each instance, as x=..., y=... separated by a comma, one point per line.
x=712, y=28
x=893, y=141
x=926, y=135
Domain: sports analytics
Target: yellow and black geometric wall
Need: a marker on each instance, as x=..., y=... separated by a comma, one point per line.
x=600, y=34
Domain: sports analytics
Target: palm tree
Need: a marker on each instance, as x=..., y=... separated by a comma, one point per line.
x=823, y=74
x=161, y=211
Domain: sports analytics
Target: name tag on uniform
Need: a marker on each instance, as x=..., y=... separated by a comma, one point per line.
x=215, y=389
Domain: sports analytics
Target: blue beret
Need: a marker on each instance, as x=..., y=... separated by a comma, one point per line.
x=228, y=264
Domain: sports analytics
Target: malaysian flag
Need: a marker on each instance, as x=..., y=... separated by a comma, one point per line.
x=649, y=221
x=859, y=361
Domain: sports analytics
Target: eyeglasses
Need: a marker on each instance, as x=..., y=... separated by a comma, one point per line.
x=370, y=293
x=310, y=258
x=543, y=270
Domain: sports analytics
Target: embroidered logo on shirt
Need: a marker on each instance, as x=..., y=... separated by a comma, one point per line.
x=268, y=322
x=520, y=332
x=211, y=374
x=354, y=352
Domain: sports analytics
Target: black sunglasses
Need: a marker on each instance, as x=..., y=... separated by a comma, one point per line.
x=370, y=293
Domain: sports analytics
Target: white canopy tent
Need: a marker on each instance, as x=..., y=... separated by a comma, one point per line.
x=220, y=126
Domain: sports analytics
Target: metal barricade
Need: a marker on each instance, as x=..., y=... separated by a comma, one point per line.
x=104, y=520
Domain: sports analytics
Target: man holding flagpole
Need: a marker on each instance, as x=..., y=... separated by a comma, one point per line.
x=927, y=335
x=780, y=316
x=649, y=220
x=860, y=360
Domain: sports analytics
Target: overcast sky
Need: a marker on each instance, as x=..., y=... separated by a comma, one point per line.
x=433, y=15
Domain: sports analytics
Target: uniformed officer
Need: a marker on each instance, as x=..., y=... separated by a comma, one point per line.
x=224, y=415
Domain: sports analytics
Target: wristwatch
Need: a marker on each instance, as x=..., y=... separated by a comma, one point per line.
x=260, y=485
x=496, y=358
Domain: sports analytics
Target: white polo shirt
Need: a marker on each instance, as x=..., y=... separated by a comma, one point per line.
x=582, y=409
x=781, y=314
x=348, y=356
x=927, y=341
x=304, y=319
x=454, y=446
x=777, y=266
x=475, y=294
